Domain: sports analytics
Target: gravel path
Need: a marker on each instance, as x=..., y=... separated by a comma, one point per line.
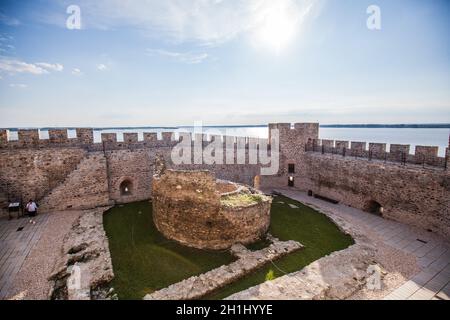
x=412, y=261
x=31, y=281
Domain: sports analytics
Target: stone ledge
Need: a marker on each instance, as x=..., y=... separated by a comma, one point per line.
x=198, y=286
x=85, y=270
x=336, y=276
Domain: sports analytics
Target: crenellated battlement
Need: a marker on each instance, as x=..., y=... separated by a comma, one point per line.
x=30, y=138
x=295, y=129
x=423, y=155
x=291, y=135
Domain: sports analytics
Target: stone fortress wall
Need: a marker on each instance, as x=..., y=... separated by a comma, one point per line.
x=71, y=173
x=410, y=188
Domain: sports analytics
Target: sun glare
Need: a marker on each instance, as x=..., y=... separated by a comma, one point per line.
x=279, y=24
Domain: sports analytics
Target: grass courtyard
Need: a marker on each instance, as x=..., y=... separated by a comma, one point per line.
x=144, y=261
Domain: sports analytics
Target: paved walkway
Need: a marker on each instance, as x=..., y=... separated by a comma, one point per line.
x=431, y=251
x=17, y=238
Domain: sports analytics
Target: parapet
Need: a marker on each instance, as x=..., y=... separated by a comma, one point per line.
x=130, y=137
x=3, y=137
x=59, y=137
x=303, y=131
x=85, y=135
x=424, y=155
x=28, y=137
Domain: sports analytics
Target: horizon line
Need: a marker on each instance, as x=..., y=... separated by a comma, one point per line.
x=360, y=125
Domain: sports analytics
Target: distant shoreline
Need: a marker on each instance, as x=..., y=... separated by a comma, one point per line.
x=339, y=126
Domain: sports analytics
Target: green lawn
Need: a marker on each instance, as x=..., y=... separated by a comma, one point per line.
x=315, y=231
x=144, y=261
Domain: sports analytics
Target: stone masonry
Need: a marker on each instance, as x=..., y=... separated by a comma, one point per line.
x=198, y=286
x=63, y=173
x=187, y=207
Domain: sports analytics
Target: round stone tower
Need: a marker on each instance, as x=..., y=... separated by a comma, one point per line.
x=195, y=209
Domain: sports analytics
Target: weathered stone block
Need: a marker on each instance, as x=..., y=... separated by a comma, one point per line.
x=150, y=136
x=308, y=130
x=28, y=137
x=130, y=137
x=399, y=152
x=341, y=146
x=3, y=137
x=57, y=135
x=109, y=137
x=168, y=136
x=85, y=135
x=426, y=154
x=327, y=145
x=377, y=150
x=358, y=148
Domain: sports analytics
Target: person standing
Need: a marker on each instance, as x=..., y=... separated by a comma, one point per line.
x=31, y=208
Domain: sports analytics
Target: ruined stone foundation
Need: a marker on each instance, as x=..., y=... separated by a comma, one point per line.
x=195, y=209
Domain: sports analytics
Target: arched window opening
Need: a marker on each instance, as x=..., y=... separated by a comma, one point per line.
x=126, y=188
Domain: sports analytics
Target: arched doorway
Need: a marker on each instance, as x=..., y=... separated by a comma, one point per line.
x=126, y=188
x=374, y=207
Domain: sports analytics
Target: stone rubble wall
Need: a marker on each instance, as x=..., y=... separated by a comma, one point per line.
x=85, y=187
x=85, y=270
x=31, y=174
x=417, y=193
x=334, y=277
x=198, y=286
x=412, y=195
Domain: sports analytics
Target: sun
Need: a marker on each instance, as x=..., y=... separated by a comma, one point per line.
x=278, y=24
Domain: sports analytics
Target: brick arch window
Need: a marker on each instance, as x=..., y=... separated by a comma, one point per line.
x=126, y=187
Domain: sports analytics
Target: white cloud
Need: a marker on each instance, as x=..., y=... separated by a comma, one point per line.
x=102, y=67
x=13, y=66
x=184, y=57
x=77, y=72
x=50, y=67
x=208, y=22
x=18, y=85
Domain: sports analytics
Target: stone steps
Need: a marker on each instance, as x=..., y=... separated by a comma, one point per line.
x=77, y=191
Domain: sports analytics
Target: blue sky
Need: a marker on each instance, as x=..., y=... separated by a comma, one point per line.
x=170, y=62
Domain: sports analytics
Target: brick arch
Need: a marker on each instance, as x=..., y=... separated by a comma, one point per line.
x=126, y=186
